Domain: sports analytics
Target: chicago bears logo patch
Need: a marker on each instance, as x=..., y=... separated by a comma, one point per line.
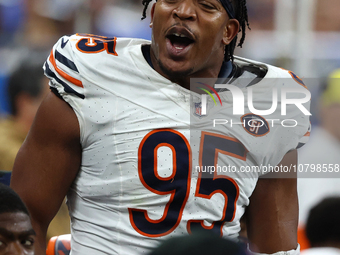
x=255, y=124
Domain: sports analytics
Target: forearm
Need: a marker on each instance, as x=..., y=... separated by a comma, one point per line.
x=272, y=216
x=277, y=230
x=40, y=241
x=290, y=252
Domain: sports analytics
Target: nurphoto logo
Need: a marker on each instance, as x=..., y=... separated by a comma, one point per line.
x=239, y=99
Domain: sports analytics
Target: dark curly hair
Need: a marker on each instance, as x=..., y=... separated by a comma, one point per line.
x=10, y=201
x=322, y=226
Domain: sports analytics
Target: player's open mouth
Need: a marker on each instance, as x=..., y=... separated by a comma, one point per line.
x=179, y=40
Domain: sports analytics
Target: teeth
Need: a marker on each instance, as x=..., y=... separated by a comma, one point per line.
x=179, y=35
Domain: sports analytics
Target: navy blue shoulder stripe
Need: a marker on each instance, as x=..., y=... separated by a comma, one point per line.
x=64, y=60
x=300, y=145
x=67, y=88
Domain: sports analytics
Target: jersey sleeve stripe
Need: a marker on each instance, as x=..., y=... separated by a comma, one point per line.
x=303, y=140
x=65, y=61
x=300, y=145
x=67, y=88
x=63, y=74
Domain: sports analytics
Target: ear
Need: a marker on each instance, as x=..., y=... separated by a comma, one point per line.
x=152, y=13
x=231, y=30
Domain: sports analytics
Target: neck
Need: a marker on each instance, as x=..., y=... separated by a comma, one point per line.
x=182, y=78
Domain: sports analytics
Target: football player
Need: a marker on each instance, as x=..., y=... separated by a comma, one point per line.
x=118, y=135
x=16, y=232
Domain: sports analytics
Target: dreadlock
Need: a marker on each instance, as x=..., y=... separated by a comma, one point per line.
x=146, y=4
x=241, y=14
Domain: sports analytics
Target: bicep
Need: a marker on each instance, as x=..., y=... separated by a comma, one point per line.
x=272, y=215
x=48, y=160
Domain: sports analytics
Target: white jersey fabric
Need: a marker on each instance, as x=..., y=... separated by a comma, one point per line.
x=321, y=251
x=143, y=140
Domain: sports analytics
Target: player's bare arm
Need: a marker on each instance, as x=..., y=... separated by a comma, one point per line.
x=47, y=163
x=272, y=216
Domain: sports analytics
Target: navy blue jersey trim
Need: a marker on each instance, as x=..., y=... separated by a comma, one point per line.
x=300, y=145
x=64, y=60
x=226, y=69
x=67, y=88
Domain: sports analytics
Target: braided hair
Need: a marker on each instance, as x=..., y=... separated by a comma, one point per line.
x=10, y=202
x=241, y=14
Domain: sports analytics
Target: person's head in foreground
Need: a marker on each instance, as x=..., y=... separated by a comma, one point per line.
x=200, y=243
x=16, y=233
x=323, y=224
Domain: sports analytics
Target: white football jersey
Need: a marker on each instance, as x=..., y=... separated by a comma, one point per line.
x=153, y=166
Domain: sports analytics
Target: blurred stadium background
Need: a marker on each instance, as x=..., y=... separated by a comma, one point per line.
x=299, y=35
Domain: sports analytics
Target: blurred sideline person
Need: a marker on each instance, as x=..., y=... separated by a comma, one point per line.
x=115, y=132
x=323, y=228
x=26, y=89
x=16, y=232
x=201, y=243
x=323, y=148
